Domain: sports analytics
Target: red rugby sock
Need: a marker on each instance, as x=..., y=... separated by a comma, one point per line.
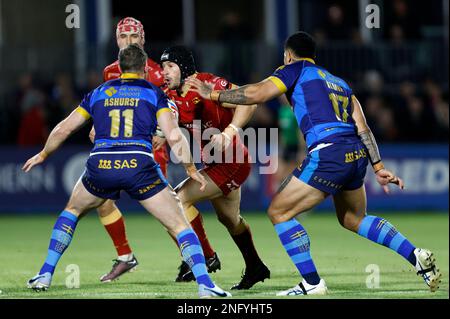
x=197, y=225
x=116, y=231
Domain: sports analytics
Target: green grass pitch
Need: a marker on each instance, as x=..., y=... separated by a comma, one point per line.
x=341, y=257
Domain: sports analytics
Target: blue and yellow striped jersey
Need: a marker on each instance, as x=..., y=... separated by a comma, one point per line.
x=322, y=102
x=124, y=112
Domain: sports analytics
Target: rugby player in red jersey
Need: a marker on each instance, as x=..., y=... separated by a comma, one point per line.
x=129, y=31
x=226, y=175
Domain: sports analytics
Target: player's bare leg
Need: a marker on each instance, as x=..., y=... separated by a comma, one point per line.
x=167, y=208
x=228, y=212
x=293, y=198
x=79, y=203
x=351, y=213
x=114, y=223
x=188, y=193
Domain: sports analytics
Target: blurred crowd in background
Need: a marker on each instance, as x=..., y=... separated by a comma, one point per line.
x=402, y=99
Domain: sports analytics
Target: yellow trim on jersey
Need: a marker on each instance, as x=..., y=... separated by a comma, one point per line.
x=307, y=59
x=111, y=218
x=280, y=85
x=83, y=112
x=161, y=111
x=129, y=76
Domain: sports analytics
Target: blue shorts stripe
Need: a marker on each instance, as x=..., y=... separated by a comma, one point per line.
x=305, y=176
x=365, y=225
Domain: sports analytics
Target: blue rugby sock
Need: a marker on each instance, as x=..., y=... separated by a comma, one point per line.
x=193, y=255
x=296, y=242
x=380, y=231
x=60, y=240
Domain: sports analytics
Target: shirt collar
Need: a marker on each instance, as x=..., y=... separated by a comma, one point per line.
x=129, y=76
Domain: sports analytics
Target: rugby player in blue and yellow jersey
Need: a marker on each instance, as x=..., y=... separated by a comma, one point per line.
x=125, y=113
x=340, y=146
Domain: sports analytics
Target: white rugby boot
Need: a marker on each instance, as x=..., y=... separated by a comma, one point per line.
x=216, y=291
x=40, y=282
x=304, y=288
x=426, y=267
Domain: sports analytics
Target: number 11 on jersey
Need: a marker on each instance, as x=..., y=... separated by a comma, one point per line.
x=115, y=122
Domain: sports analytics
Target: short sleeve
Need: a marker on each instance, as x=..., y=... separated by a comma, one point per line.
x=285, y=76
x=85, y=108
x=164, y=104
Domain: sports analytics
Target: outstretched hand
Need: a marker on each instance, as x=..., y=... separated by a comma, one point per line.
x=33, y=161
x=202, y=88
x=385, y=177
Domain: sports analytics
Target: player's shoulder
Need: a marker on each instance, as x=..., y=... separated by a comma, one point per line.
x=150, y=91
x=154, y=65
x=327, y=76
x=205, y=76
x=111, y=71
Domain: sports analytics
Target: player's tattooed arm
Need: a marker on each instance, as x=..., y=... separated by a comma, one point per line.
x=384, y=176
x=369, y=141
x=365, y=134
x=236, y=96
x=246, y=95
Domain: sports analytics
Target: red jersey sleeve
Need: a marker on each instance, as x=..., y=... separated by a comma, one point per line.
x=221, y=83
x=111, y=72
x=154, y=73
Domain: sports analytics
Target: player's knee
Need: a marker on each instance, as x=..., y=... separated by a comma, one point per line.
x=74, y=210
x=275, y=215
x=184, y=200
x=107, y=208
x=177, y=229
x=350, y=222
x=230, y=222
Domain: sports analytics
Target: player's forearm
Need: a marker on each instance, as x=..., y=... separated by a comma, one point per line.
x=371, y=144
x=241, y=117
x=245, y=95
x=180, y=147
x=56, y=138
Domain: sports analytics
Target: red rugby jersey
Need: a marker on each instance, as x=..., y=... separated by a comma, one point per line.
x=191, y=106
x=152, y=69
